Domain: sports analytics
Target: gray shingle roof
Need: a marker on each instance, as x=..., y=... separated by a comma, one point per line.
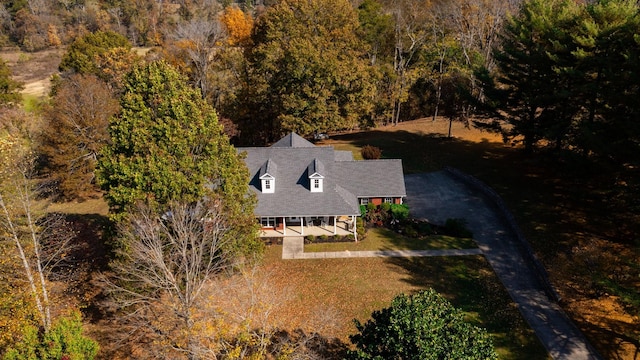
x=371, y=178
x=344, y=181
x=269, y=168
x=316, y=167
x=340, y=155
x=293, y=140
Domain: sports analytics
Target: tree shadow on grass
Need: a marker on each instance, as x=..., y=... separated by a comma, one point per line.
x=307, y=345
x=569, y=206
x=470, y=284
x=422, y=152
x=91, y=254
x=617, y=335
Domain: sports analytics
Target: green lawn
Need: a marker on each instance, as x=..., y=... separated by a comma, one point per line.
x=353, y=288
x=384, y=239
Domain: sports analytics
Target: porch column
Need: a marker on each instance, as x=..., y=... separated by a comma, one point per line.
x=284, y=226
x=355, y=227
x=301, y=225
x=335, y=222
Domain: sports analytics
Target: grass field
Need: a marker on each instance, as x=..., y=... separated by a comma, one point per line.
x=384, y=239
x=353, y=288
x=581, y=217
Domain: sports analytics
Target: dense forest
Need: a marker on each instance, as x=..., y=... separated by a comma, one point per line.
x=153, y=128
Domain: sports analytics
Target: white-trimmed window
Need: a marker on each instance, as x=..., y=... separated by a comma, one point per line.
x=268, y=184
x=316, y=183
x=388, y=200
x=364, y=201
x=268, y=221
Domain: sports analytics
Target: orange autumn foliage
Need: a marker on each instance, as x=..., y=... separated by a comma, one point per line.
x=239, y=25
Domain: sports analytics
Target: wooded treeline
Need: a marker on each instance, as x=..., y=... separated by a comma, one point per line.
x=544, y=72
x=273, y=67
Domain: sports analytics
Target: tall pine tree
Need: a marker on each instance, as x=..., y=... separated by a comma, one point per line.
x=167, y=146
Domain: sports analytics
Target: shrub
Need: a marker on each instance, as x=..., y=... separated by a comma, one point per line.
x=370, y=152
x=310, y=238
x=457, y=228
x=399, y=211
x=424, y=228
x=324, y=238
x=385, y=207
x=350, y=237
x=420, y=326
x=410, y=231
x=371, y=207
x=360, y=230
x=65, y=340
x=363, y=210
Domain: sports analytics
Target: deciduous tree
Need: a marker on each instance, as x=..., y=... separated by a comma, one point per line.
x=413, y=24
x=239, y=25
x=39, y=242
x=165, y=277
x=200, y=39
x=307, y=71
x=75, y=131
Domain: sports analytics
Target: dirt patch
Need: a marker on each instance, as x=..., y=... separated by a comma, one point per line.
x=34, y=70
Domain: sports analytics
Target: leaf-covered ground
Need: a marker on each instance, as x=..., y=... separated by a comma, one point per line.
x=581, y=216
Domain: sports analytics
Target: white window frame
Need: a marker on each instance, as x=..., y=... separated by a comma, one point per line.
x=316, y=183
x=268, y=221
x=388, y=200
x=267, y=184
x=364, y=201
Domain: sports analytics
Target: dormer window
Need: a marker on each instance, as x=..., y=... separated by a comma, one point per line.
x=268, y=177
x=268, y=184
x=316, y=184
x=315, y=172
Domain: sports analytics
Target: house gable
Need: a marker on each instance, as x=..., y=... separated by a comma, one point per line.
x=293, y=140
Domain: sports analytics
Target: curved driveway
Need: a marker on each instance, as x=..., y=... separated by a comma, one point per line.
x=438, y=196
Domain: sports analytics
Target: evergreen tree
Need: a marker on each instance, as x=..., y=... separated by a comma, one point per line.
x=167, y=145
x=81, y=54
x=9, y=89
x=533, y=91
x=65, y=340
x=568, y=74
x=421, y=326
x=607, y=57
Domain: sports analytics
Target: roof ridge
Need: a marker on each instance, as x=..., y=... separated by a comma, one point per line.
x=344, y=193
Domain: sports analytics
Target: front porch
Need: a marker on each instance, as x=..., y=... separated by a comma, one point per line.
x=329, y=226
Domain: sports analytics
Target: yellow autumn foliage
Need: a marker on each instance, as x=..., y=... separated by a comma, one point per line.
x=239, y=25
